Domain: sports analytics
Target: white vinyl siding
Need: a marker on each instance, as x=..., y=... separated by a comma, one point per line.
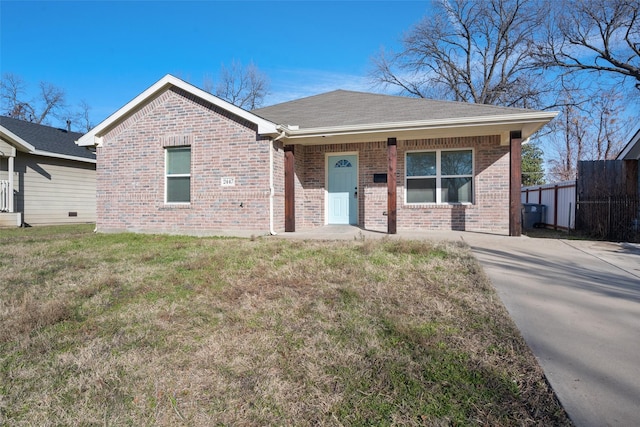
x=440, y=176
x=49, y=189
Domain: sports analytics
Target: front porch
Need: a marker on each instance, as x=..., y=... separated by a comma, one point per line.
x=8, y=218
x=472, y=195
x=8, y=215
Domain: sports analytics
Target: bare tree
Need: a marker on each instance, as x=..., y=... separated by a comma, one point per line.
x=593, y=35
x=570, y=137
x=244, y=87
x=12, y=94
x=469, y=50
x=590, y=127
x=49, y=103
x=52, y=102
x=609, y=126
x=82, y=118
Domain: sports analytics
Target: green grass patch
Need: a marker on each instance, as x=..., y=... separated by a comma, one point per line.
x=132, y=329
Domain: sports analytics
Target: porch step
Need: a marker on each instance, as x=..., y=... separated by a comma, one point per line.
x=10, y=219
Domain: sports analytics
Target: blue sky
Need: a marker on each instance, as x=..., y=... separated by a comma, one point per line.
x=107, y=52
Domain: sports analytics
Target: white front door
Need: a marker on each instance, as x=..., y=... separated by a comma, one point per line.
x=342, y=189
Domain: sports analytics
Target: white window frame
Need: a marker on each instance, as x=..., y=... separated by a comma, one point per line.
x=438, y=177
x=176, y=175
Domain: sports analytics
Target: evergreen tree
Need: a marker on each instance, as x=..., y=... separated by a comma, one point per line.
x=532, y=169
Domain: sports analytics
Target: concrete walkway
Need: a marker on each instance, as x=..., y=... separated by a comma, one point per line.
x=576, y=303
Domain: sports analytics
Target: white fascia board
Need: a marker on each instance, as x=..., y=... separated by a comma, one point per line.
x=94, y=137
x=265, y=127
x=632, y=145
x=536, y=118
x=25, y=147
x=15, y=139
x=62, y=156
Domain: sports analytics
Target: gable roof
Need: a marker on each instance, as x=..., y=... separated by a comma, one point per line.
x=94, y=137
x=631, y=151
x=344, y=112
x=43, y=140
x=348, y=116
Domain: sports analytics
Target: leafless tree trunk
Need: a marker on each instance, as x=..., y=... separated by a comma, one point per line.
x=469, y=50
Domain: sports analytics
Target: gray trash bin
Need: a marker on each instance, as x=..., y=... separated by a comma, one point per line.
x=532, y=215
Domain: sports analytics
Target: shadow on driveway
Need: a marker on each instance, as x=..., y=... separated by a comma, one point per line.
x=579, y=310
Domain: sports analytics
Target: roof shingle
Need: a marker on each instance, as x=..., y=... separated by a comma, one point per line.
x=47, y=138
x=345, y=108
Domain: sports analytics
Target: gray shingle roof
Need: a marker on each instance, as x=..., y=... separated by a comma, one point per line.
x=344, y=108
x=47, y=138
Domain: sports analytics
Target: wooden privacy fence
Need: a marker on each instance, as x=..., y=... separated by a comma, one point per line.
x=611, y=218
x=608, y=196
x=560, y=201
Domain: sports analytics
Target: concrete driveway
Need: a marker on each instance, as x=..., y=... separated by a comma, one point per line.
x=576, y=303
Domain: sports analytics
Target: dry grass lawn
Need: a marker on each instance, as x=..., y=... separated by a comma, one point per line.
x=129, y=329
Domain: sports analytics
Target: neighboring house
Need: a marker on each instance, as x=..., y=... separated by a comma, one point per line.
x=177, y=159
x=630, y=155
x=45, y=178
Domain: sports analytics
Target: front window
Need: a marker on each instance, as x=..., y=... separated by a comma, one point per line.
x=439, y=176
x=178, y=175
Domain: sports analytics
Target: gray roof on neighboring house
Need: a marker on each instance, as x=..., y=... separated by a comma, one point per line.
x=345, y=108
x=46, y=138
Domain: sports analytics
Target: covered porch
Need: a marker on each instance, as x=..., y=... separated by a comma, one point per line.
x=8, y=215
x=381, y=197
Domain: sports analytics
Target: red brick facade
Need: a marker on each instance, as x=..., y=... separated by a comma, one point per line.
x=131, y=176
x=489, y=212
x=131, y=170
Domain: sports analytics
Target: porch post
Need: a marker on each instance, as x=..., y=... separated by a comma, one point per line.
x=392, y=157
x=289, y=189
x=515, y=182
x=11, y=207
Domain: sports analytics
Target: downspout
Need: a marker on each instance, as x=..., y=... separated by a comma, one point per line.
x=272, y=190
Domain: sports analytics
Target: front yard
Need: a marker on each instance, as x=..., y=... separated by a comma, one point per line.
x=129, y=329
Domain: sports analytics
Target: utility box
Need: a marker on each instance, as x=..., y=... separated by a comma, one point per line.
x=533, y=215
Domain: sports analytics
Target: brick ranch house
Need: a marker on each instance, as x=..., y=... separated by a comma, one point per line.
x=177, y=159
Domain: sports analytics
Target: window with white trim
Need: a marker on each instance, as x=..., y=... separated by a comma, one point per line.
x=441, y=176
x=178, y=175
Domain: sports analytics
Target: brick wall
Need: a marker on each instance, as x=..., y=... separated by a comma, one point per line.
x=131, y=167
x=131, y=180
x=489, y=212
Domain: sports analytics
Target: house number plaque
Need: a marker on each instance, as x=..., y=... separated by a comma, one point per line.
x=227, y=181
